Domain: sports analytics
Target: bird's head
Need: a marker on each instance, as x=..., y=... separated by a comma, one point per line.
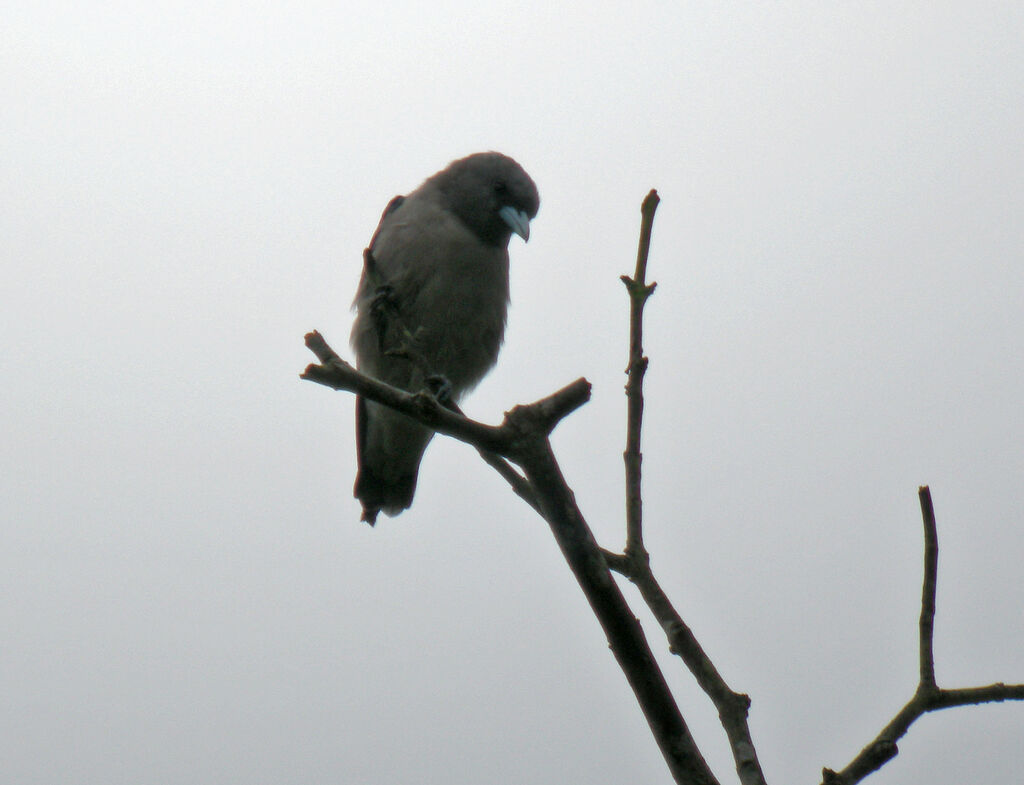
x=491, y=194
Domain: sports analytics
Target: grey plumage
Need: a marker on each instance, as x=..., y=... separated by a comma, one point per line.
x=435, y=282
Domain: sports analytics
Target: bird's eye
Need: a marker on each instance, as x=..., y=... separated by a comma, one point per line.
x=500, y=188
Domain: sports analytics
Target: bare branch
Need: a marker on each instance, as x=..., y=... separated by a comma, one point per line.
x=617, y=562
x=966, y=696
x=639, y=291
x=928, y=696
x=931, y=575
x=541, y=416
x=519, y=484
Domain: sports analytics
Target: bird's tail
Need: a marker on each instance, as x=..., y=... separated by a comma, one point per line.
x=377, y=495
x=389, y=447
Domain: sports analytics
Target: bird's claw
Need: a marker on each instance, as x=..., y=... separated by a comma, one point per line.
x=383, y=298
x=382, y=308
x=440, y=388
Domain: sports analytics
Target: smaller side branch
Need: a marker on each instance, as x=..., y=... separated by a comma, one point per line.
x=519, y=484
x=541, y=417
x=639, y=291
x=520, y=425
x=928, y=696
x=931, y=569
x=732, y=706
x=966, y=696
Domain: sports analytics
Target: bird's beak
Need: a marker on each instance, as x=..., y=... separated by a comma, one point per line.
x=517, y=220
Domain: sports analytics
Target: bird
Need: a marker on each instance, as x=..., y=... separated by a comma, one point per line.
x=431, y=308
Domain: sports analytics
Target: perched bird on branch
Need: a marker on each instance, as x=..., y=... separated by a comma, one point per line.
x=431, y=305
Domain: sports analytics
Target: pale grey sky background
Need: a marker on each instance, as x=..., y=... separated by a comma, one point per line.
x=186, y=594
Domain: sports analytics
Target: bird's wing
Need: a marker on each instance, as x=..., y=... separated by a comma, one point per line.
x=393, y=205
x=373, y=277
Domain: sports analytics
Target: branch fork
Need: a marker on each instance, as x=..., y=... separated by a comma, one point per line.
x=928, y=696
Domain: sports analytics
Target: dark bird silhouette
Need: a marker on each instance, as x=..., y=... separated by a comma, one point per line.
x=431, y=304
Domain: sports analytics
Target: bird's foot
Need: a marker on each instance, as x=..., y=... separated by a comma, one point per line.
x=440, y=388
x=382, y=312
x=383, y=300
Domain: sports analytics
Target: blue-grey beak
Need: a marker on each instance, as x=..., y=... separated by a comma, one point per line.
x=518, y=221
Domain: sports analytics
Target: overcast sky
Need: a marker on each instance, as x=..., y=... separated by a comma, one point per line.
x=186, y=592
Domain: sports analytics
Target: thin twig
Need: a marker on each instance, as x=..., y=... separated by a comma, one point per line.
x=639, y=291
x=519, y=484
x=926, y=625
x=732, y=706
x=928, y=696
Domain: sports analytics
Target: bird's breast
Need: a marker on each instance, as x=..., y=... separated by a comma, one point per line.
x=451, y=291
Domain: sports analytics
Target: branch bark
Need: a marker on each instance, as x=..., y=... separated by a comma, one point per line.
x=639, y=291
